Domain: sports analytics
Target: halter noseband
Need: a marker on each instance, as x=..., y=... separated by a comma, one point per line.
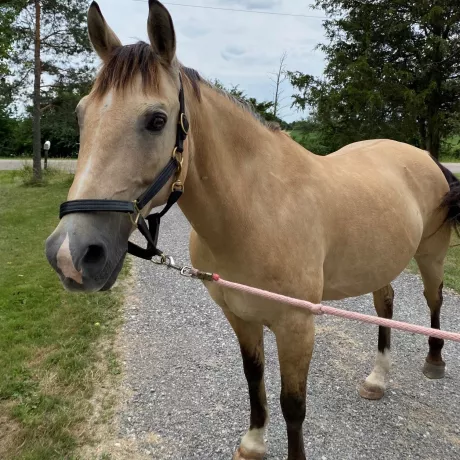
x=149, y=226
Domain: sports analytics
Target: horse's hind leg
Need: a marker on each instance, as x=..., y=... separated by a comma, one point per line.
x=432, y=270
x=374, y=385
x=250, y=337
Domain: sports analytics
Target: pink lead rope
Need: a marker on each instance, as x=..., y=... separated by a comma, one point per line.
x=319, y=309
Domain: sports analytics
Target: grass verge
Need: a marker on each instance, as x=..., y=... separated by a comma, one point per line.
x=51, y=342
x=449, y=159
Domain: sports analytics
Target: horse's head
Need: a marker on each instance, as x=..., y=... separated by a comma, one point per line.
x=128, y=129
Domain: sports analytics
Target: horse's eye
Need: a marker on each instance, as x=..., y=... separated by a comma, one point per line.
x=156, y=122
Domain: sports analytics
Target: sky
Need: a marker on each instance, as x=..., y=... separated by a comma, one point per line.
x=238, y=48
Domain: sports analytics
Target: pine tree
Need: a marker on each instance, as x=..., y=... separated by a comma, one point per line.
x=50, y=40
x=393, y=70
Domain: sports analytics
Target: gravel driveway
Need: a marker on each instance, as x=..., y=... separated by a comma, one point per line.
x=188, y=392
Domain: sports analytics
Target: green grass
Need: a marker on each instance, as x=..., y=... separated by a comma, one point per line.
x=449, y=159
x=50, y=340
x=451, y=150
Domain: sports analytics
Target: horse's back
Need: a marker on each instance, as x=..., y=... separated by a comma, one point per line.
x=387, y=196
x=385, y=163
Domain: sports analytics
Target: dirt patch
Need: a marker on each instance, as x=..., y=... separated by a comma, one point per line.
x=10, y=432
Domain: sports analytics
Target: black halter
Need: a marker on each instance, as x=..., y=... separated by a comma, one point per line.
x=150, y=228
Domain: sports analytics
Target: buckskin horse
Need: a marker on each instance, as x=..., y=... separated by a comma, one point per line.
x=263, y=210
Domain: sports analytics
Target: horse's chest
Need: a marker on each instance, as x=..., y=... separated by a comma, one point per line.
x=251, y=308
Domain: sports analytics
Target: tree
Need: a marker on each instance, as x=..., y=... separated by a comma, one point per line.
x=8, y=13
x=264, y=108
x=7, y=123
x=59, y=124
x=50, y=40
x=278, y=78
x=393, y=70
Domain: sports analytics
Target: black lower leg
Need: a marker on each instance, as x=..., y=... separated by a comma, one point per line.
x=383, y=301
x=435, y=344
x=254, y=371
x=293, y=407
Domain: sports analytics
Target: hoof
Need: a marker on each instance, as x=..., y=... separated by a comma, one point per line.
x=242, y=454
x=372, y=392
x=434, y=370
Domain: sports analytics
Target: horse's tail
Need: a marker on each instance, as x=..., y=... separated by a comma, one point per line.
x=451, y=200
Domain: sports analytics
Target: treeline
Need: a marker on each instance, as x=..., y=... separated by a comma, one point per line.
x=392, y=70
x=58, y=121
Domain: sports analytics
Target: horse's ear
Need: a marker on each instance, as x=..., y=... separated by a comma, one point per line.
x=161, y=31
x=102, y=37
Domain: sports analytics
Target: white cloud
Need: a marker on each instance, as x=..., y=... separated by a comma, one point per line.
x=252, y=4
x=235, y=47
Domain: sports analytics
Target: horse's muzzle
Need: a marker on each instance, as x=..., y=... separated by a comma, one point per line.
x=87, y=250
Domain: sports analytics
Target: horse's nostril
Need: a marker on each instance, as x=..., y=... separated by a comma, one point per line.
x=94, y=255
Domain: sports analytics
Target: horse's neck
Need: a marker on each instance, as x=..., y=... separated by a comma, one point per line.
x=234, y=162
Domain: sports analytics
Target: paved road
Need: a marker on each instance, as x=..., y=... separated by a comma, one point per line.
x=65, y=165
x=69, y=165
x=454, y=167
x=188, y=393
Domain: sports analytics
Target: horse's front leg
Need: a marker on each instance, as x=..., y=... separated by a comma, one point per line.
x=250, y=337
x=295, y=338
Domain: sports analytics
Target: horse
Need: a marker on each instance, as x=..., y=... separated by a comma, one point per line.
x=263, y=211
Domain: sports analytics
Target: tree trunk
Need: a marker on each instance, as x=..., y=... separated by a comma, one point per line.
x=434, y=138
x=434, y=124
x=280, y=77
x=422, y=132
x=277, y=93
x=37, y=143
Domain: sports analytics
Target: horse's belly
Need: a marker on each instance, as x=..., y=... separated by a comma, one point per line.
x=366, y=269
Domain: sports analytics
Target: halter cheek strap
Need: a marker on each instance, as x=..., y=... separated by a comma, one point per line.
x=149, y=226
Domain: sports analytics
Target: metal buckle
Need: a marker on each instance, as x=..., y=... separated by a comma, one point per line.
x=178, y=186
x=179, y=159
x=178, y=156
x=135, y=221
x=188, y=272
x=159, y=260
x=167, y=261
x=182, y=120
